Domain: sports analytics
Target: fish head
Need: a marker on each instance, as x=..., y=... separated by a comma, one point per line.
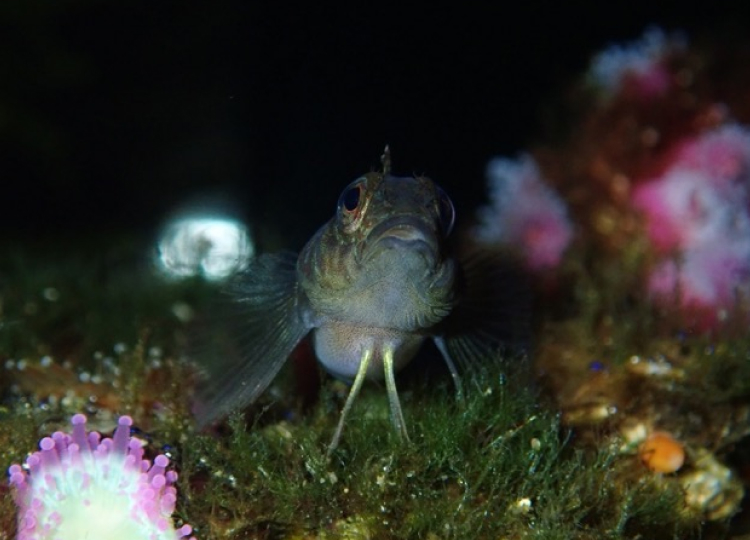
x=396, y=218
x=383, y=260
x=405, y=225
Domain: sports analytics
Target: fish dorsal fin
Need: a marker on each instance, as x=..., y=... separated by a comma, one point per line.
x=264, y=322
x=385, y=161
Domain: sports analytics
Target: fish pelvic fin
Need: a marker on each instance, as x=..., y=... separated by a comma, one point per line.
x=262, y=324
x=353, y=393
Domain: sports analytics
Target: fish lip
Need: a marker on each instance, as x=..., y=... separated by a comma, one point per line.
x=405, y=233
x=404, y=229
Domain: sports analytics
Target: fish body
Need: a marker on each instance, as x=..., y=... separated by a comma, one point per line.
x=370, y=286
x=377, y=274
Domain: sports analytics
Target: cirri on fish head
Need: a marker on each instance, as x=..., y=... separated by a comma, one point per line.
x=370, y=286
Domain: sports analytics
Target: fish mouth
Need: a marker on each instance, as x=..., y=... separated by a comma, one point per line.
x=405, y=232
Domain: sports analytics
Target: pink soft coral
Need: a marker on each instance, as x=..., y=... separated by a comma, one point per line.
x=638, y=68
x=698, y=218
x=684, y=209
x=722, y=155
x=525, y=213
x=710, y=275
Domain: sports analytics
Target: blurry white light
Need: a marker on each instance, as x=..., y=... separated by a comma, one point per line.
x=211, y=246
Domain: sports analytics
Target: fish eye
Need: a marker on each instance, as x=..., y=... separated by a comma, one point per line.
x=446, y=212
x=349, y=199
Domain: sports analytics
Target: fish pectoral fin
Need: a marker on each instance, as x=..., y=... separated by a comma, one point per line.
x=493, y=312
x=353, y=392
x=261, y=324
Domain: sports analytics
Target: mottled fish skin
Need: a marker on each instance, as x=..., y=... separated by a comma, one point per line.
x=371, y=285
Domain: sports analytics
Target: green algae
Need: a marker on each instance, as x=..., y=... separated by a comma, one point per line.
x=500, y=465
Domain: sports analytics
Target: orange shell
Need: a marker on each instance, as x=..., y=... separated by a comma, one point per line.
x=662, y=453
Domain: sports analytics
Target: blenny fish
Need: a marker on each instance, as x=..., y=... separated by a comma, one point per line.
x=370, y=286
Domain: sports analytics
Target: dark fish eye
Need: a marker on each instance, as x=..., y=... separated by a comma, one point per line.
x=349, y=199
x=446, y=212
